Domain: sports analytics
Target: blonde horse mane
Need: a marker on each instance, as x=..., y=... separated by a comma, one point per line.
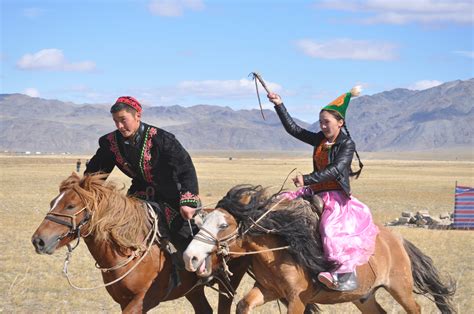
x=115, y=216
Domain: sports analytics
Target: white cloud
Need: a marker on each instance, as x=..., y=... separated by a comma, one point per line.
x=465, y=53
x=407, y=11
x=32, y=92
x=173, y=8
x=52, y=59
x=226, y=88
x=188, y=92
x=348, y=49
x=424, y=84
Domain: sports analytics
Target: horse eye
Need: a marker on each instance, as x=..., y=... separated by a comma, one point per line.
x=223, y=226
x=70, y=207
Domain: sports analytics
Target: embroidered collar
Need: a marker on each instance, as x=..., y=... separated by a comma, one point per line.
x=143, y=141
x=135, y=139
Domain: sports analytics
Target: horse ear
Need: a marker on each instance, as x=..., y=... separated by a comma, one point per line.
x=208, y=210
x=93, y=179
x=66, y=183
x=245, y=199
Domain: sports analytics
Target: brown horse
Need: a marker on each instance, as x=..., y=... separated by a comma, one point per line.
x=289, y=256
x=118, y=232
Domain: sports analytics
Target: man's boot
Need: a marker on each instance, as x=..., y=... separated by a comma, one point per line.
x=175, y=280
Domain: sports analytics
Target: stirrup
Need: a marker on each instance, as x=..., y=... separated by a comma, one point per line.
x=328, y=279
x=339, y=282
x=347, y=281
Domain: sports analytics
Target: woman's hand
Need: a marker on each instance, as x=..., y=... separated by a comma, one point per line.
x=298, y=180
x=275, y=99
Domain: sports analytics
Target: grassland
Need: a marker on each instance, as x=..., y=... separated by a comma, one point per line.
x=30, y=283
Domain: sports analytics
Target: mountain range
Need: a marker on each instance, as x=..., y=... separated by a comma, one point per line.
x=397, y=120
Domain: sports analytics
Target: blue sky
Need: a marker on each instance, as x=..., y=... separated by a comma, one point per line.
x=189, y=52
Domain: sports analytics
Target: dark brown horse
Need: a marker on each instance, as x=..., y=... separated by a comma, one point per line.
x=290, y=256
x=118, y=231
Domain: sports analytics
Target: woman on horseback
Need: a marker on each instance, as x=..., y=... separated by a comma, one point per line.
x=347, y=230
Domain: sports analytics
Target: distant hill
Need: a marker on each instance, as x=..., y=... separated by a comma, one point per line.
x=35, y=124
x=396, y=120
x=401, y=119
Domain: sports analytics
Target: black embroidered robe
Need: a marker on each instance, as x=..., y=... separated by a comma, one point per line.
x=160, y=168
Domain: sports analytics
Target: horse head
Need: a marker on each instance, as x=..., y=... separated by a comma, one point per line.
x=217, y=233
x=68, y=215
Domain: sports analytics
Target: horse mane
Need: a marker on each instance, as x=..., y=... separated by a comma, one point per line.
x=116, y=217
x=294, y=222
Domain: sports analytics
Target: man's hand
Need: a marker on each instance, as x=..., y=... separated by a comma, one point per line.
x=298, y=180
x=187, y=212
x=275, y=99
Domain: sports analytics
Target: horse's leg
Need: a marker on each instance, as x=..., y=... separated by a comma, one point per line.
x=134, y=306
x=238, y=267
x=369, y=306
x=400, y=282
x=296, y=306
x=401, y=291
x=224, y=304
x=256, y=296
x=198, y=300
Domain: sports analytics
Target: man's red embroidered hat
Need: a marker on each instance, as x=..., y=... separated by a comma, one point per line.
x=132, y=102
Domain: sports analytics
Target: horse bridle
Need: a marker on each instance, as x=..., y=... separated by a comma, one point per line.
x=74, y=228
x=221, y=244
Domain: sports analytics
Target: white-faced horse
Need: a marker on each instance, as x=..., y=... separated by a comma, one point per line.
x=285, y=236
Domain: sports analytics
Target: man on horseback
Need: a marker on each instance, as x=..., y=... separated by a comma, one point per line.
x=346, y=226
x=161, y=169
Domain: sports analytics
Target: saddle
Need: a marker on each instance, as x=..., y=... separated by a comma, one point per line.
x=316, y=202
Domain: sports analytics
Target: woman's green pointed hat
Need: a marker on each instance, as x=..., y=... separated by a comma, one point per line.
x=341, y=103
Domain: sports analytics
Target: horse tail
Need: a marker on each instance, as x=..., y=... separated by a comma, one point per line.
x=427, y=279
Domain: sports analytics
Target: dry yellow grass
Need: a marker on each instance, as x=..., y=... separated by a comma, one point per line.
x=34, y=283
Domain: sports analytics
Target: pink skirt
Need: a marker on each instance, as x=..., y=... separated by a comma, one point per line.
x=347, y=230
